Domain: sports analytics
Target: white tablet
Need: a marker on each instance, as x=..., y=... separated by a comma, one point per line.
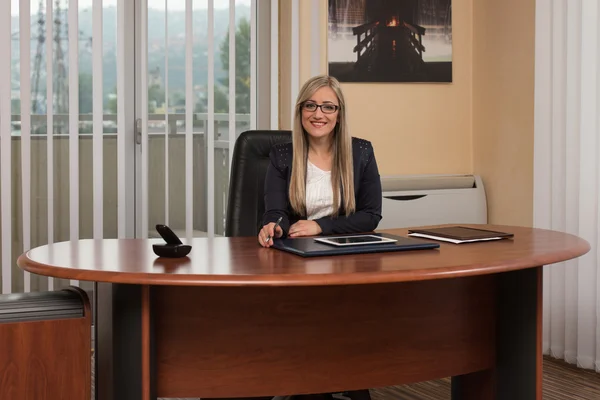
x=354, y=240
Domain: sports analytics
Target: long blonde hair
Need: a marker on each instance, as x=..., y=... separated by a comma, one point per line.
x=342, y=172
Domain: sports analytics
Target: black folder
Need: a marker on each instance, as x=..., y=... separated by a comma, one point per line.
x=308, y=247
x=459, y=234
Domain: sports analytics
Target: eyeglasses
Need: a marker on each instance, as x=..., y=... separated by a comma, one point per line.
x=326, y=108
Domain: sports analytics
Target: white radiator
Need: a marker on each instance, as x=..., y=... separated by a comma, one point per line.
x=416, y=200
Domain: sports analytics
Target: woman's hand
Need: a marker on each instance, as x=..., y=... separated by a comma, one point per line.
x=266, y=232
x=304, y=228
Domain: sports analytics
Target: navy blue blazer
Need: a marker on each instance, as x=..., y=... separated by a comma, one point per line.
x=367, y=192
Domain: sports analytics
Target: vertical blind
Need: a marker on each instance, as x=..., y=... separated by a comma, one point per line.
x=25, y=93
x=67, y=125
x=5, y=145
x=73, y=56
x=567, y=171
x=49, y=132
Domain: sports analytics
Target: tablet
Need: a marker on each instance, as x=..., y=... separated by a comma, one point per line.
x=354, y=240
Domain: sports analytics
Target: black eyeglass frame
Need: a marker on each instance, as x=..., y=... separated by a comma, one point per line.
x=303, y=106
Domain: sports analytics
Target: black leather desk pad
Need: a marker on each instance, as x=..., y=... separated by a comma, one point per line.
x=308, y=247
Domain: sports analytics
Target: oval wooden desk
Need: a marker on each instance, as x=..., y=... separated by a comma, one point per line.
x=235, y=319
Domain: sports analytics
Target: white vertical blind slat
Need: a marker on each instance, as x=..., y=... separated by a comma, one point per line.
x=25, y=86
x=573, y=93
x=210, y=141
x=274, y=64
x=232, y=81
x=542, y=216
x=189, y=120
x=98, y=117
x=5, y=145
x=144, y=116
x=253, y=99
x=50, y=126
x=166, y=113
x=588, y=211
x=73, y=34
x=122, y=24
x=557, y=206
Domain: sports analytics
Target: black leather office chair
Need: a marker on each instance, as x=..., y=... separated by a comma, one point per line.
x=245, y=206
x=250, y=160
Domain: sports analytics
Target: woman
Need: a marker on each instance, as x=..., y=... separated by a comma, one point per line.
x=325, y=181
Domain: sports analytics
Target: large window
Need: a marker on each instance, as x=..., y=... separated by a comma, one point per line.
x=116, y=115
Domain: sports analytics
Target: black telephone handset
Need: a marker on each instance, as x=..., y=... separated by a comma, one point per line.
x=173, y=247
x=167, y=234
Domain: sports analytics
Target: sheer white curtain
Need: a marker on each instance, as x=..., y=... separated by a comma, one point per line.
x=566, y=170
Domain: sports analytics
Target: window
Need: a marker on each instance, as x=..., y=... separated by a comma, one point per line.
x=131, y=141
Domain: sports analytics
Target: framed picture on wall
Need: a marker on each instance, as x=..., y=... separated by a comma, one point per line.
x=390, y=40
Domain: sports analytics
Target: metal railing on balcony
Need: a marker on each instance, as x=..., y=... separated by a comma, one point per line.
x=156, y=180
x=156, y=124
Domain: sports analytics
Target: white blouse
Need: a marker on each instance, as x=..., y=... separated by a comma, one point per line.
x=319, y=194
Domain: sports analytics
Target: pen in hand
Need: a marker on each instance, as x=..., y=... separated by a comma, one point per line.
x=274, y=229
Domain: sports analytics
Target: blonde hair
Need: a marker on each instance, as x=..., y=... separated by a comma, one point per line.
x=342, y=175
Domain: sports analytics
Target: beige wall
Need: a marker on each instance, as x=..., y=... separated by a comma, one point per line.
x=285, y=38
x=503, y=93
x=415, y=128
x=480, y=123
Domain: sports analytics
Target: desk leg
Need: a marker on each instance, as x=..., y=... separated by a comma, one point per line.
x=125, y=359
x=518, y=371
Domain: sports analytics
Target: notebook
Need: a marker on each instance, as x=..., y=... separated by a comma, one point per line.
x=459, y=234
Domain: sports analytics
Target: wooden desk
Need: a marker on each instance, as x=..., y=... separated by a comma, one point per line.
x=235, y=319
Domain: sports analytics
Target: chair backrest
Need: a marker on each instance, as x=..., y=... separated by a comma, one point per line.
x=250, y=160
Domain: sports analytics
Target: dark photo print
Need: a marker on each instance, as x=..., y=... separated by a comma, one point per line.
x=390, y=40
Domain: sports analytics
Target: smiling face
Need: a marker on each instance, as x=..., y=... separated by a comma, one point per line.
x=319, y=122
